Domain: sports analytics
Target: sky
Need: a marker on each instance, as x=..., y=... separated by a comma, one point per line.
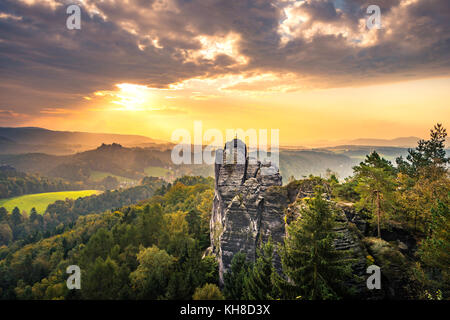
x=311, y=69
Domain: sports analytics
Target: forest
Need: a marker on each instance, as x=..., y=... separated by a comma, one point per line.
x=14, y=183
x=156, y=248
x=62, y=214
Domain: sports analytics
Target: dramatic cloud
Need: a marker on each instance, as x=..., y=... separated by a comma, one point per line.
x=284, y=45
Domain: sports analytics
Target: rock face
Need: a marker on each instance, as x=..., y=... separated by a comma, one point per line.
x=246, y=210
x=250, y=205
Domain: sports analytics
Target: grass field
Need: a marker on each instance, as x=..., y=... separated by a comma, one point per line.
x=40, y=201
x=156, y=171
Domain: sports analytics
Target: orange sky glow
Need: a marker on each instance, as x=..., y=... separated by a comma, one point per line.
x=303, y=117
x=312, y=69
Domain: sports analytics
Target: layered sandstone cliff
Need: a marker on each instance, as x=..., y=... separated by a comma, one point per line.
x=250, y=205
x=245, y=209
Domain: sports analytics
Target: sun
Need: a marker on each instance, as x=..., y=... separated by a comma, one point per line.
x=132, y=97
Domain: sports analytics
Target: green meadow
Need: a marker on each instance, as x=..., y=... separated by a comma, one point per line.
x=154, y=171
x=40, y=201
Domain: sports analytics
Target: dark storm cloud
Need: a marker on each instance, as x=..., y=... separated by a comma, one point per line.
x=44, y=65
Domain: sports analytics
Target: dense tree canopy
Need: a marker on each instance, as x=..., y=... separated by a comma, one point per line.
x=150, y=241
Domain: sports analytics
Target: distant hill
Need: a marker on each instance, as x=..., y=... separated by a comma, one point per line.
x=400, y=142
x=113, y=158
x=397, y=142
x=135, y=163
x=32, y=139
x=302, y=163
x=359, y=152
x=80, y=156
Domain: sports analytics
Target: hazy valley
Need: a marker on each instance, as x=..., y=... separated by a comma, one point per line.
x=54, y=154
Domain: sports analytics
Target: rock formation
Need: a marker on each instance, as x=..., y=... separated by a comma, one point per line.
x=250, y=205
x=245, y=210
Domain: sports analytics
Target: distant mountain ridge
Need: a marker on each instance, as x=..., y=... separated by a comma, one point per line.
x=132, y=162
x=15, y=140
x=71, y=156
x=397, y=142
x=400, y=142
x=18, y=140
x=113, y=159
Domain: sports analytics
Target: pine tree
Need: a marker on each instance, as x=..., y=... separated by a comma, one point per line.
x=258, y=283
x=234, y=278
x=16, y=216
x=376, y=184
x=315, y=269
x=33, y=214
x=3, y=214
x=428, y=154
